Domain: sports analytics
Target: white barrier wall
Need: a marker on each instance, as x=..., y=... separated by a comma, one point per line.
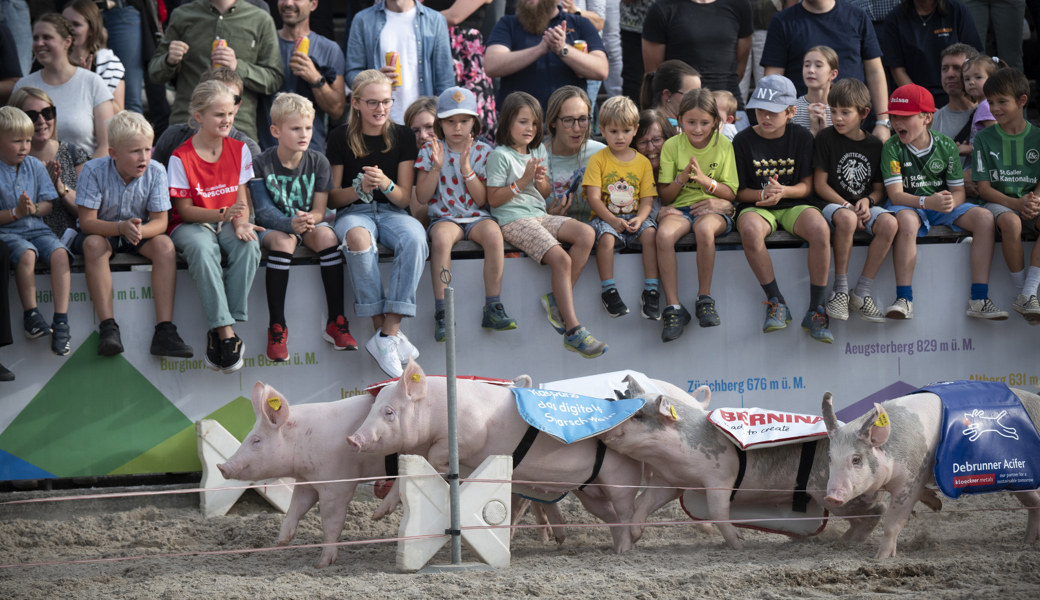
x=89, y=415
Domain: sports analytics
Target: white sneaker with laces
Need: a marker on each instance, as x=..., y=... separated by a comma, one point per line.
x=405, y=347
x=985, y=309
x=385, y=351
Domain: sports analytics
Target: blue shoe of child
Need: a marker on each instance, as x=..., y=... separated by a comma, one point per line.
x=36, y=326
x=777, y=315
x=61, y=339
x=815, y=322
x=553, y=311
x=584, y=344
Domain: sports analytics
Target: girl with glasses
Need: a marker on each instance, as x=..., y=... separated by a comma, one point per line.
x=373, y=164
x=64, y=160
x=81, y=97
x=569, y=126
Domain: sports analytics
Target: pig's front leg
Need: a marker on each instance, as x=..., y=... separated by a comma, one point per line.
x=718, y=508
x=904, y=497
x=656, y=495
x=1032, y=500
x=552, y=515
x=304, y=497
x=860, y=528
x=334, y=500
x=389, y=504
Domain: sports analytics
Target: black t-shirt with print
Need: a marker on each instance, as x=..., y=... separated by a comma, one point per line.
x=789, y=157
x=852, y=167
x=403, y=150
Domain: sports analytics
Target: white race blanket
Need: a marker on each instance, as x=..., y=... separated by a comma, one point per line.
x=762, y=428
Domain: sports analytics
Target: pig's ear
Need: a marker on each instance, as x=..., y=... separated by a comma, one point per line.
x=876, y=428
x=634, y=389
x=666, y=409
x=414, y=381
x=707, y=396
x=829, y=418
x=275, y=407
x=257, y=398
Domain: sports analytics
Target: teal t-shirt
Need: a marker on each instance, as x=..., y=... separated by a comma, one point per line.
x=505, y=166
x=1011, y=163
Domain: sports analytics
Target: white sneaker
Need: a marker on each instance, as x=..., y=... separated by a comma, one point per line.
x=407, y=349
x=985, y=309
x=900, y=309
x=838, y=306
x=385, y=350
x=1028, y=307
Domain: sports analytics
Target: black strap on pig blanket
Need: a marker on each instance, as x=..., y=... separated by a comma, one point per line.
x=742, y=456
x=391, y=465
x=800, y=502
x=528, y=440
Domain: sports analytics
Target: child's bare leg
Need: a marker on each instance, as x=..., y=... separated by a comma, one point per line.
x=605, y=256
x=96, y=253
x=753, y=231
x=391, y=323
x=648, y=241
x=904, y=249
x=442, y=237
x=25, y=279
x=581, y=237
x=669, y=230
x=979, y=222
x=813, y=228
x=163, y=255
x=705, y=230
x=61, y=279
x=488, y=234
x=885, y=228
x=560, y=263
x=844, y=227
x=1010, y=225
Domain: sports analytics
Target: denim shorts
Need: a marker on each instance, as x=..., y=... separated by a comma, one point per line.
x=627, y=239
x=875, y=212
x=930, y=218
x=42, y=242
x=686, y=210
x=466, y=227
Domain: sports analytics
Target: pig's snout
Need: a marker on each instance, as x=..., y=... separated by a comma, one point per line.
x=355, y=443
x=835, y=498
x=226, y=471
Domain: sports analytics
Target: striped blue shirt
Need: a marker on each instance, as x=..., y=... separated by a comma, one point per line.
x=101, y=187
x=30, y=177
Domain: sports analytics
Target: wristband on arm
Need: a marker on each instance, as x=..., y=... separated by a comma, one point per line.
x=922, y=202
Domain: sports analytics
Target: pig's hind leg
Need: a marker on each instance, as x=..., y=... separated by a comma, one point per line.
x=1032, y=500
x=657, y=494
x=334, y=501
x=304, y=497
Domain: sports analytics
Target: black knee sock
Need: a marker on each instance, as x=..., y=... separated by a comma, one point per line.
x=816, y=294
x=277, y=281
x=332, y=279
x=772, y=290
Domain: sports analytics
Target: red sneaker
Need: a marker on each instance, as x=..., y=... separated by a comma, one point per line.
x=337, y=333
x=277, y=337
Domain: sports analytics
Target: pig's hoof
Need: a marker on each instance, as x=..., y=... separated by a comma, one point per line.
x=283, y=542
x=325, y=561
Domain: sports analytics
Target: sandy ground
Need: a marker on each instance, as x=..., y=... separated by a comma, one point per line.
x=953, y=554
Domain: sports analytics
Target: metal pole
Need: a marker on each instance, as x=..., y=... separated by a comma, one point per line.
x=453, y=422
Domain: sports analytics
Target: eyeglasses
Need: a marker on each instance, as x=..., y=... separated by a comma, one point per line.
x=569, y=122
x=374, y=104
x=644, y=143
x=48, y=114
x=237, y=99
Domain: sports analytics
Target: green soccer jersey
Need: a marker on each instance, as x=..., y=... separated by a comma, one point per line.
x=922, y=172
x=1011, y=163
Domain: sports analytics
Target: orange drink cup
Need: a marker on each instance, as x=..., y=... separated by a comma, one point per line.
x=582, y=45
x=393, y=59
x=218, y=43
x=302, y=45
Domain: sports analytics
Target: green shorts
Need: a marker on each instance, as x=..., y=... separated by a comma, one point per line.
x=786, y=217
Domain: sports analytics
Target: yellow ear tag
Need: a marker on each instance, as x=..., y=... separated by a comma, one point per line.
x=416, y=377
x=674, y=414
x=275, y=402
x=882, y=420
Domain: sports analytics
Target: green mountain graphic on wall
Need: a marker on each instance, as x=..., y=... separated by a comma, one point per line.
x=99, y=416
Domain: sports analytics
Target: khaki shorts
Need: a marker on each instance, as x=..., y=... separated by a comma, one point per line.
x=534, y=235
x=785, y=217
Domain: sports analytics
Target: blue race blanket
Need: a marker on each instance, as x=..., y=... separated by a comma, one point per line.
x=570, y=417
x=988, y=442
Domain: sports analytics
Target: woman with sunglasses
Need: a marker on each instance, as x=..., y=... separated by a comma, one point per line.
x=373, y=163
x=568, y=119
x=64, y=160
x=81, y=96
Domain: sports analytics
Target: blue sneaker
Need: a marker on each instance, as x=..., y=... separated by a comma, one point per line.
x=61, y=339
x=495, y=318
x=777, y=316
x=438, y=326
x=36, y=326
x=815, y=322
x=553, y=311
x=584, y=344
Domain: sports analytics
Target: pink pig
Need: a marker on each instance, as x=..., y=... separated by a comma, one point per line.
x=866, y=458
x=411, y=417
x=309, y=445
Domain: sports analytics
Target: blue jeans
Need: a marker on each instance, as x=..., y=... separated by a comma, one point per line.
x=124, y=38
x=15, y=14
x=392, y=227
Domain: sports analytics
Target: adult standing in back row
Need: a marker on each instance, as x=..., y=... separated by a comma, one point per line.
x=839, y=25
x=712, y=36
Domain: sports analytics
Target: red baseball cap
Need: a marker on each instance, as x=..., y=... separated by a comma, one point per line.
x=910, y=100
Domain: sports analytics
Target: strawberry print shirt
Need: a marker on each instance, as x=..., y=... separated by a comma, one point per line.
x=209, y=185
x=452, y=200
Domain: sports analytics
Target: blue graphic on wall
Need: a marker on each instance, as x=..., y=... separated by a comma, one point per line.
x=569, y=417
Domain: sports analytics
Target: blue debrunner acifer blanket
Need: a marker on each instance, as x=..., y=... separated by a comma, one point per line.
x=988, y=442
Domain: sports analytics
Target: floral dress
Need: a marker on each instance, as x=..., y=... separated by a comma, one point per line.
x=69, y=156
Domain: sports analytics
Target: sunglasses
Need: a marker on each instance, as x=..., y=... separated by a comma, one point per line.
x=48, y=114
